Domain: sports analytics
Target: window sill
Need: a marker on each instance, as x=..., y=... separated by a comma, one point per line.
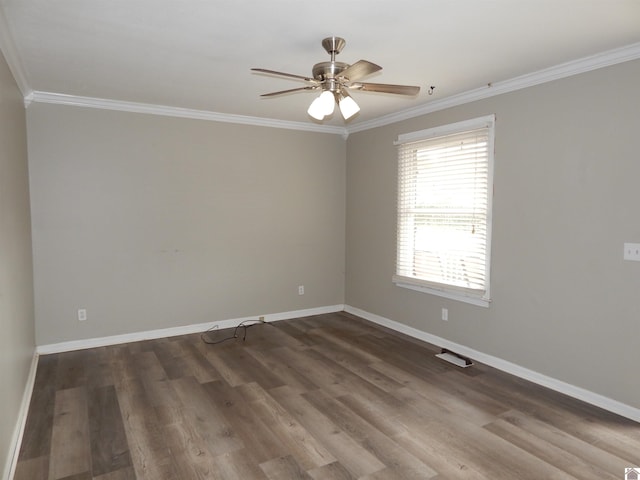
x=450, y=294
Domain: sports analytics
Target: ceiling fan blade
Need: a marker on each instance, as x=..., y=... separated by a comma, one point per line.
x=360, y=69
x=282, y=92
x=282, y=74
x=386, y=88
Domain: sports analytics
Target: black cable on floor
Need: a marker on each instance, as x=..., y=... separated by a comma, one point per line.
x=205, y=339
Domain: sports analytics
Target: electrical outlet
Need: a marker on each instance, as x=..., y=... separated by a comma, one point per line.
x=82, y=314
x=632, y=251
x=261, y=319
x=445, y=314
x=300, y=289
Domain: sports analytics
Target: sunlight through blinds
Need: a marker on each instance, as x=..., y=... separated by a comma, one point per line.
x=444, y=210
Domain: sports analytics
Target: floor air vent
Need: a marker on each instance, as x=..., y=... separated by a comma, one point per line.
x=454, y=358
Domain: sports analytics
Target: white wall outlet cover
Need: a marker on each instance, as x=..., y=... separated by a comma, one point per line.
x=632, y=251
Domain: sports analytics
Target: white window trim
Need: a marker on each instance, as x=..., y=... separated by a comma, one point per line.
x=412, y=284
x=441, y=290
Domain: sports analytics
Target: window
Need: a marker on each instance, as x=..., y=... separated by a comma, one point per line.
x=445, y=184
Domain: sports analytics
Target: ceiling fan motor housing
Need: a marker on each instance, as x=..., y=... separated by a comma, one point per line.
x=327, y=72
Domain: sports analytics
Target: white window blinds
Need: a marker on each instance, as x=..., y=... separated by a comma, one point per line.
x=444, y=209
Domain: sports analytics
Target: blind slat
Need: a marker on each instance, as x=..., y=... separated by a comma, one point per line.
x=443, y=202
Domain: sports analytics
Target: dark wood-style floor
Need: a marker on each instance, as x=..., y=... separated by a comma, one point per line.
x=324, y=397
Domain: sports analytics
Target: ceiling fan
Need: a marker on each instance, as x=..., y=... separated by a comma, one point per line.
x=334, y=79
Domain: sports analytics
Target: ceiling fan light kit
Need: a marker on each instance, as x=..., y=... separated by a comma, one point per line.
x=348, y=106
x=322, y=106
x=334, y=79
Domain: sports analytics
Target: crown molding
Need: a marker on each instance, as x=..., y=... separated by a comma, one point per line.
x=151, y=109
x=8, y=49
x=567, y=69
x=563, y=70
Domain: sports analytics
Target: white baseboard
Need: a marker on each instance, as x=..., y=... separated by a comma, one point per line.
x=16, y=438
x=174, y=331
x=571, y=390
x=554, y=384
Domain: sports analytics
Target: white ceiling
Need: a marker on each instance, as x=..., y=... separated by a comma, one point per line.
x=197, y=54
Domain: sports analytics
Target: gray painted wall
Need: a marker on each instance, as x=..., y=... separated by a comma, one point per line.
x=17, y=340
x=153, y=222
x=567, y=197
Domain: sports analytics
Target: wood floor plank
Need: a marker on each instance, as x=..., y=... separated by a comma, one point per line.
x=127, y=473
x=141, y=346
x=325, y=372
x=306, y=449
x=36, y=441
x=437, y=403
x=404, y=355
x=346, y=344
x=333, y=471
x=164, y=400
x=284, y=468
x=448, y=393
x=376, y=397
x=548, y=441
x=109, y=448
x=157, y=389
x=357, y=363
x=71, y=369
x=150, y=453
x=285, y=374
x=70, y=443
x=196, y=363
x=32, y=468
x=203, y=420
x=323, y=397
x=465, y=446
x=399, y=472
x=608, y=431
x=344, y=418
x=259, y=441
x=148, y=365
x=399, y=463
x=123, y=366
x=346, y=450
x=98, y=368
x=224, y=364
x=269, y=335
x=134, y=401
x=79, y=476
x=378, y=413
x=347, y=324
x=237, y=465
x=299, y=361
x=148, y=449
x=246, y=369
x=295, y=329
x=550, y=453
x=170, y=356
x=194, y=463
